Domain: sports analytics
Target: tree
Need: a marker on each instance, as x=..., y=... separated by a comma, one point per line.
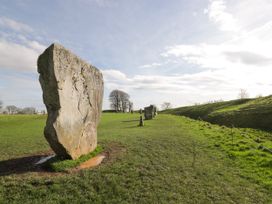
x=243, y=94
x=119, y=100
x=12, y=109
x=166, y=105
x=28, y=110
x=115, y=100
x=130, y=106
x=124, y=101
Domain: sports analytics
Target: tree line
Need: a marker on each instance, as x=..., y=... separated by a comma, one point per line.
x=12, y=109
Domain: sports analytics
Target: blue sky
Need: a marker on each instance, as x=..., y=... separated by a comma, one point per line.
x=180, y=51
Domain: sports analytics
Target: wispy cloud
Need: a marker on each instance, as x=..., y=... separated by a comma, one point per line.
x=222, y=56
x=196, y=87
x=17, y=52
x=248, y=48
x=248, y=58
x=207, y=81
x=14, y=25
x=217, y=12
x=152, y=65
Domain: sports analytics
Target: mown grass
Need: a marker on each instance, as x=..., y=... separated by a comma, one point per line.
x=247, y=113
x=21, y=134
x=171, y=159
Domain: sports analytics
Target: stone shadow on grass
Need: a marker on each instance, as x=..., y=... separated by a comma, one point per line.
x=23, y=165
x=127, y=121
x=27, y=164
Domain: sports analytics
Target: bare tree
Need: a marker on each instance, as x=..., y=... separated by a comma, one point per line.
x=124, y=101
x=28, y=110
x=115, y=100
x=12, y=109
x=119, y=100
x=166, y=105
x=243, y=94
x=130, y=106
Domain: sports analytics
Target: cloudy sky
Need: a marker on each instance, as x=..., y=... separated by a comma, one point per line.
x=181, y=51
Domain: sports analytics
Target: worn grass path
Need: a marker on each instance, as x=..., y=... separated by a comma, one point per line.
x=171, y=159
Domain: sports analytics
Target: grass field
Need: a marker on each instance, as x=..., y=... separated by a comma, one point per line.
x=249, y=113
x=172, y=159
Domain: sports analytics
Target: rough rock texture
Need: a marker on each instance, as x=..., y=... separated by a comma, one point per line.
x=72, y=93
x=150, y=112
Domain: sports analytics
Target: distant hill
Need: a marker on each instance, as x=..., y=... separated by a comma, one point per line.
x=249, y=113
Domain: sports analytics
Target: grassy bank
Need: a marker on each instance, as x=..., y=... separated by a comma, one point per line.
x=171, y=159
x=249, y=113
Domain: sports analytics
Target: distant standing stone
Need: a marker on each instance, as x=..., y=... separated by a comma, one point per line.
x=141, y=121
x=72, y=93
x=150, y=112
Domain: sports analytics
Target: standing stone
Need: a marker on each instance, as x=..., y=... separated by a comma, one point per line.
x=141, y=121
x=72, y=94
x=155, y=112
x=150, y=112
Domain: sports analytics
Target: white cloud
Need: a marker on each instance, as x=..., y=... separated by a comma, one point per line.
x=152, y=65
x=251, y=13
x=36, y=46
x=16, y=50
x=248, y=49
x=217, y=12
x=186, y=89
x=14, y=25
x=240, y=53
x=114, y=75
x=242, y=61
x=19, y=57
x=179, y=83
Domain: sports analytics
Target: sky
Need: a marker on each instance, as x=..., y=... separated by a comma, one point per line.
x=178, y=51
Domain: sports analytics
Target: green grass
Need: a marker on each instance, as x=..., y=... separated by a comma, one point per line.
x=171, y=159
x=248, y=113
x=21, y=134
x=59, y=165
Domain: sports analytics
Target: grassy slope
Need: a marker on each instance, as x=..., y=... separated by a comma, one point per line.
x=157, y=167
x=251, y=113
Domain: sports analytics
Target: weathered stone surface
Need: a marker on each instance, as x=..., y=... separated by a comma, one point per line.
x=72, y=93
x=150, y=112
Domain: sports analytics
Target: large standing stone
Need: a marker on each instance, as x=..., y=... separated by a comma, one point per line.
x=150, y=112
x=72, y=93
